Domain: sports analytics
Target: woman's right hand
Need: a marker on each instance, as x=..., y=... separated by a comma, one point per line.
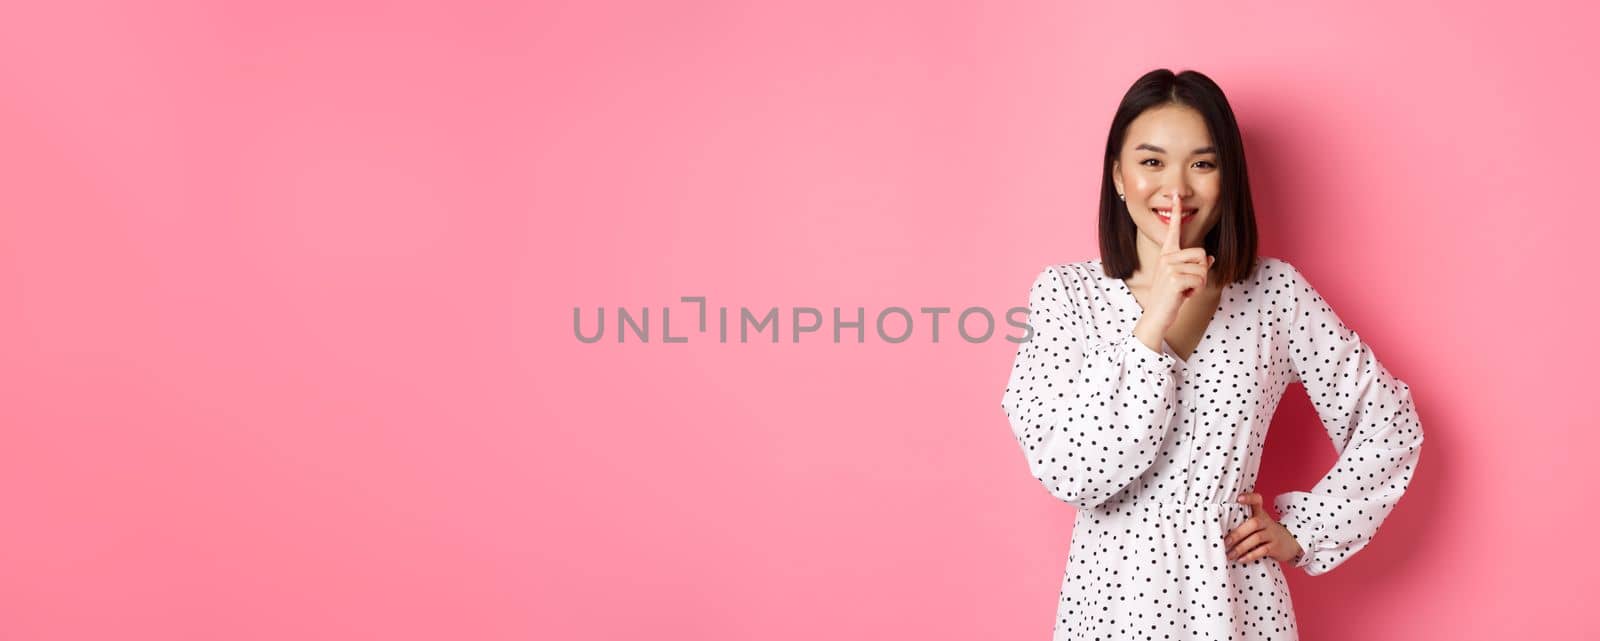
x=1180, y=272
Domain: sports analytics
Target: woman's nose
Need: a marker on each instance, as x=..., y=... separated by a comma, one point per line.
x=1178, y=186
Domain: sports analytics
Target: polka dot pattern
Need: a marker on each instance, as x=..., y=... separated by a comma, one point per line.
x=1153, y=449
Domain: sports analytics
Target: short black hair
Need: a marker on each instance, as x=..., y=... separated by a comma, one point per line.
x=1233, y=239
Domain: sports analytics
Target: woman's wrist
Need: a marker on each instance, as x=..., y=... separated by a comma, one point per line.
x=1151, y=332
x=1299, y=557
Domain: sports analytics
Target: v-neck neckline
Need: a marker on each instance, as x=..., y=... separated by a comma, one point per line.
x=1205, y=336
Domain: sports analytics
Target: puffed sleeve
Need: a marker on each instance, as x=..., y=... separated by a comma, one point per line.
x=1368, y=414
x=1090, y=416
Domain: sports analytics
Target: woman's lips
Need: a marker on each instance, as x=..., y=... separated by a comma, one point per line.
x=1187, y=214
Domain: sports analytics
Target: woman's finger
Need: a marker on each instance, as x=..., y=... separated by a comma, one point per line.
x=1190, y=283
x=1248, y=544
x=1261, y=551
x=1239, y=543
x=1196, y=255
x=1253, y=500
x=1174, y=226
x=1248, y=527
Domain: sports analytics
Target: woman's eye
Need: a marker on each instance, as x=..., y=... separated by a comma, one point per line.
x=1205, y=163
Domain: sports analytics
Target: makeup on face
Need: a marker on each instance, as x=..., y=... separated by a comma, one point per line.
x=1170, y=147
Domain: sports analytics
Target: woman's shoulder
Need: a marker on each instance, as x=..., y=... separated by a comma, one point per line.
x=1066, y=282
x=1282, y=283
x=1077, y=276
x=1276, y=274
x=1271, y=270
x=1273, y=263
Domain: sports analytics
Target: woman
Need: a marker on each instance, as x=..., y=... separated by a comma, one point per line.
x=1144, y=393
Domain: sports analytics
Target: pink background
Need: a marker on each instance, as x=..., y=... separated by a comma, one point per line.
x=288, y=295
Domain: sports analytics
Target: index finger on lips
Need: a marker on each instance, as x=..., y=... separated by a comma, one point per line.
x=1174, y=225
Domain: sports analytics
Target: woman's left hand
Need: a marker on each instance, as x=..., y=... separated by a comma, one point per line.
x=1260, y=535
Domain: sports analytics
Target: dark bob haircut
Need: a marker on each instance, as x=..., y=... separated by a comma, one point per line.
x=1233, y=239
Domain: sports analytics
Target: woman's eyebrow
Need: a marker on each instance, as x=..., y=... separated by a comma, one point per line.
x=1202, y=150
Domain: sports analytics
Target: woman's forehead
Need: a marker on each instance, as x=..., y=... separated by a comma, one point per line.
x=1169, y=128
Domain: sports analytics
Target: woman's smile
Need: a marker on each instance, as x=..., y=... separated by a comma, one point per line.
x=1167, y=220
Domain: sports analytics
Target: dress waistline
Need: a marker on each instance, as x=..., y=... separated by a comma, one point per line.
x=1179, y=506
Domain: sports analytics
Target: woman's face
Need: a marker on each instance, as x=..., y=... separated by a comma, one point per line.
x=1167, y=149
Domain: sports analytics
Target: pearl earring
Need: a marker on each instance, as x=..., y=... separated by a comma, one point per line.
x=1122, y=198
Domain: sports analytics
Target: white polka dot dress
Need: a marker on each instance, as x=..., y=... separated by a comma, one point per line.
x=1154, y=450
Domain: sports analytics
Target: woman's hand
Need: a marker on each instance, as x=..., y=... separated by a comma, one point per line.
x=1180, y=272
x=1259, y=535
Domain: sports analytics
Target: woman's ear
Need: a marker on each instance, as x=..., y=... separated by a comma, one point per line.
x=1116, y=175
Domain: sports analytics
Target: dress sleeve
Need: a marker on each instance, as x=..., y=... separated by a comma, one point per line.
x=1369, y=416
x=1090, y=416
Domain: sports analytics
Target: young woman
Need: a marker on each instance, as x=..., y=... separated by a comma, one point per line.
x=1144, y=393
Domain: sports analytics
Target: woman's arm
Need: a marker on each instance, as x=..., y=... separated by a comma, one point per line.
x=1090, y=416
x=1369, y=416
